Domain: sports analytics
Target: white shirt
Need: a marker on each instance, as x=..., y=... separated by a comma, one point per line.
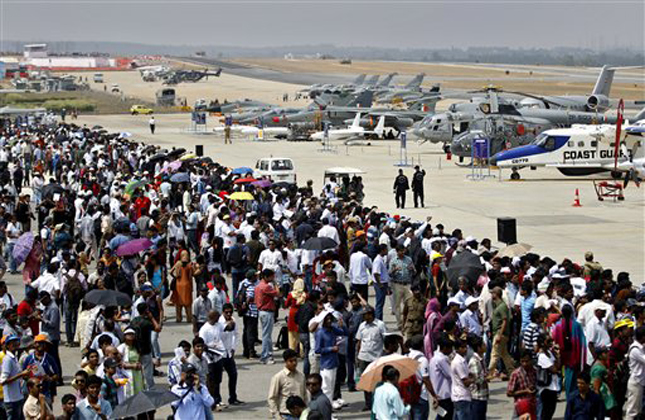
x=194, y=405
x=229, y=338
x=636, y=363
x=546, y=362
x=271, y=260
x=422, y=371
x=330, y=232
x=470, y=322
x=459, y=372
x=47, y=282
x=371, y=337
x=360, y=266
x=588, y=312
x=597, y=334
x=212, y=335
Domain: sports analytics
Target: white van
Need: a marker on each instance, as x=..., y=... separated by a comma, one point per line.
x=98, y=77
x=276, y=169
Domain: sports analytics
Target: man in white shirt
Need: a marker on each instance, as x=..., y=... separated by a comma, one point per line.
x=271, y=259
x=48, y=281
x=194, y=405
x=229, y=339
x=421, y=409
x=470, y=320
x=597, y=335
x=636, y=383
x=328, y=231
x=587, y=311
x=360, y=267
x=211, y=333
x=461, y=380
x=381, y=279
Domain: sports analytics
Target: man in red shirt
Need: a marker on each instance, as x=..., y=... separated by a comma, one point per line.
x=265, y=294
x=27, y=308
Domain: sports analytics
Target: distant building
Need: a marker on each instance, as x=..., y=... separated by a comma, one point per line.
x=35, y=51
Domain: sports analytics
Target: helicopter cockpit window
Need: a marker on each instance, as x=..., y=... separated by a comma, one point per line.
x=485, y=108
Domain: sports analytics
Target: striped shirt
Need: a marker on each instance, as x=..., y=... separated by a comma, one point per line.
x=530, y=337
x=250, y=296
x=479, y=388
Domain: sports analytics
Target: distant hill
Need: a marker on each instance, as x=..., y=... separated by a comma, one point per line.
x=553, y=56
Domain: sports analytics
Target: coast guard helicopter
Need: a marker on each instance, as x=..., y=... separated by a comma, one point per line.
x=582, y=150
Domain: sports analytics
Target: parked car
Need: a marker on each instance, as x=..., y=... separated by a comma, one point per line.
x=140, y=109
x=277, y=169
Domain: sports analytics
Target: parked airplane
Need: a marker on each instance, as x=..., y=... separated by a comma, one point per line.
x=354, y=131
x=579, y=150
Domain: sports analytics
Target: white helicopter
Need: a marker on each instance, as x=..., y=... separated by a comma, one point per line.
x=582, y=150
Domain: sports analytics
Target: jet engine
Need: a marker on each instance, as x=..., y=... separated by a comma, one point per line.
x=598, y=103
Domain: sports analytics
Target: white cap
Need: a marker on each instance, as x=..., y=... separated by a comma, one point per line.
x=470, y=239
x=505, y=270
x=471, y=300
x=454, y=300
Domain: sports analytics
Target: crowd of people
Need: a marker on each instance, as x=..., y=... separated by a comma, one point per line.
x=86, y=215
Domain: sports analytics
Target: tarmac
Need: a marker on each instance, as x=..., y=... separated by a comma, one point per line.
x=541, y=202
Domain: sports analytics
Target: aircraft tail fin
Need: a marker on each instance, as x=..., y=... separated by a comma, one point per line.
x=426, y=104
x=362, y=100
x=416, y=81
x=359, y=80
x=640, y=115
x=380, y=126
x=372, y=80
x=357, y=121
x=604, y=81
x=387, y=79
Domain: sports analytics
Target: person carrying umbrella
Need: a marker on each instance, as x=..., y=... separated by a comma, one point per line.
x=388, y=403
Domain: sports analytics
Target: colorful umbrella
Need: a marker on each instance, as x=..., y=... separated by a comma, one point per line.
x=241, y=195
x=244, y=180
x=23, y=246
x=180, y=177
x=132, y=186
x=188, y=156
x=261, y=183
x=133, y=247
x=242, y=170
x=373, y=373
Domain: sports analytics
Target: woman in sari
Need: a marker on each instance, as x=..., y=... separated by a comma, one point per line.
x=183, y=274
x=433, y=318
x=570, y=338
x=295, y=299
x=131, y=364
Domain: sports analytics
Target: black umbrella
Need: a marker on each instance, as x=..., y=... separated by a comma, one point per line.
x=158, y=156
x=97, y=127
x=176, y=152
x=107, y=298
x=464, y=264
x=319, y=244
x=49, y=190
x=143, y=402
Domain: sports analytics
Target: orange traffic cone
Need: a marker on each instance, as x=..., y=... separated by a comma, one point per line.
x=576, y=200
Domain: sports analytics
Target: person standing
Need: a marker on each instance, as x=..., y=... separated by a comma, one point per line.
x=319, y=401
x=401, y=185
x=228, y=122
x=636, y=381
x=265, y=294
x=144, y=325
x=211, y=333
x=381, y=280
x=401, y=273
x=461, y=381
x=202, y=306
x=388, y=404
x=369, y=344
x=585, y=404
x=548, y=380
x=229, y=339
x=289, y=381
x=327, y=348
x=152, y=123
x=479, y=387
x=10, y=378
x=413, y=313
x=417, y=186
x=249, y=311
x=441, y=377
x=501, y=330
x=194, y=398
x=360, y=266
x=94, y=407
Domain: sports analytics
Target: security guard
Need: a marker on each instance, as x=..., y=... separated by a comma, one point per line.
x=417, y=185
x=401, y=185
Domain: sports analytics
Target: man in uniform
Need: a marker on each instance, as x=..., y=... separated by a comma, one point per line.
x=401, y=185
x=417, y=185
x=414, y=312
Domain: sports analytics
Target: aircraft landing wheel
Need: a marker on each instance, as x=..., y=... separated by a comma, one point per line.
x=515, y=176
x=616, y=175
x=446, y=148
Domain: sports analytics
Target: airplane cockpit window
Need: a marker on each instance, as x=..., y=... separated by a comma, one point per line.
x=549, y=143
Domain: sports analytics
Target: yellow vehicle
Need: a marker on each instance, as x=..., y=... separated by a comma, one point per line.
x=140, y=109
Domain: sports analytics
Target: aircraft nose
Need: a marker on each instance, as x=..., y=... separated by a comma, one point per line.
x=493, y=161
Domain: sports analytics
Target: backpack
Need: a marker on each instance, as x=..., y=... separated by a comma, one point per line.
x=235, y=256
x=240, y=300
x=410, y=389
x=75, y=291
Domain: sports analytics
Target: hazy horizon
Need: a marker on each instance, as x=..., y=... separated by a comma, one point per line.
x=408, y=24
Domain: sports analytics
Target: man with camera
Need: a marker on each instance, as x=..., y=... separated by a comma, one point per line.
x=194, y=398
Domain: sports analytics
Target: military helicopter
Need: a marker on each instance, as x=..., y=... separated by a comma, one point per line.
x=178, y=76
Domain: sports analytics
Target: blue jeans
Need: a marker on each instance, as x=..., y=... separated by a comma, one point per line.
x=381, y=294
x=462, y=410
x=478, y=409
x=71, y=318
x=420, y=410
x=266, y=318
x=156, y=349
x=14, y=410
x=304, y=340
x=13, y=267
